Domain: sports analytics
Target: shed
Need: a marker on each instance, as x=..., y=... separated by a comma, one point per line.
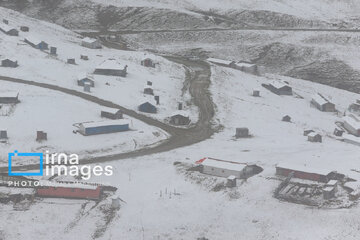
x=322, y=103
x=111, y=113
x=8, y=30
x=115, y=203
x=76, y=191
x=91, y=43
x=148, y=90
x=7, y=62
x=9, y=97
x=111, y=67
x=84, y=78
x=286, y=118
x=180, y=118
x=314, y=137
x=38, y=44
x=147, y=62
x=242, y=132
x=53, y=50
x=279, y=88
x=247, y=67
x=71, y=61
x=147, y=107
x=84, y=57
x=104, y=127
x=303, y=172
x=256, y=93
x=224, y=168
x=231, y=181
x=41, y=136
x=87, y=87
x=24, y=28
x=3, y=135
x=352, y=124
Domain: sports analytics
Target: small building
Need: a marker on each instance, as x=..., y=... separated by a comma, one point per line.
x=35, y=43
x=3, y=135
x=314, y=137
x=223, y=168
x=147, y=62
x=84, y=78
x=148, y=90
x=231, y=181
x=8, y=30
x=221, y=62
x=111, y=67
x=147, y=107
x=75, y=191
x=53, y=50
x=104, y=127
x=352, y=124
x=9, y=97
x=256, y=93
x=246, y=67
x=307, y=173
x=328, y=192
x=84, y=57
x=71, y=61
x=322, y=103
x=7, y=62
x=24, y=28
x=242, y=133
x=279, y=88
x=149, y=83
x=91, y=43
x=307, y=132
x=41, y=136
x=286, y=118
x=338, y=132
x=111, y=113
x=115, y=203
x=180, y=118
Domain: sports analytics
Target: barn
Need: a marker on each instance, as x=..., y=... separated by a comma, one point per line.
x=111, y=113
x=246, y=67
x=147, y=107
x=34, y=42
x=111, y=67
x=7, y=62
x=279, y=88
x=322, y=103
x=75, y=191
x=8, y=30
x=147, y=62
x=223, y=168
x=180, y=118
x=9, y=97
x=104, y=127
x=221, y=62
x=302, y=172
x=352, y=124
x=84, y=78
x=91, y=43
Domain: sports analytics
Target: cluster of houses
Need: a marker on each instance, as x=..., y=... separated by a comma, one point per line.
x=244, y=66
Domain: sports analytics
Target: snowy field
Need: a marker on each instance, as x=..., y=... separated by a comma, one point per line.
x=39, y=66
x=56, y=113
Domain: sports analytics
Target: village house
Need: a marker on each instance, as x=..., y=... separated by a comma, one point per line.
x=148, y=90
x=314, y=137
x=35, y=43
x=24, y=28
x=84, y=78
x=104, y=127
x=224, y=63
x=223, y=168
x=302, y=172
x=352, y=124
x=91, y=43
x=68, y=190
x=279, y=88
x=111, y=113
x=180, y=117
x=242, y=133
x=147, y=62
x=308, y=131
x=286, y=118
x=111, y=67
x=246, y=67
x=148, y=107
x=9, y=97
x=322, y=103
x=7, y=62
x=8, y=30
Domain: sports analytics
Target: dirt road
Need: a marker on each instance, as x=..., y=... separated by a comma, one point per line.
x=198, y=78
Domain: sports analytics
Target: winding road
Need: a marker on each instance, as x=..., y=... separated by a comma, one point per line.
x=197, y=77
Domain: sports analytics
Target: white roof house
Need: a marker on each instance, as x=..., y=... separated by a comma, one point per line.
x=245, y=64
x=6, y=28
x=219, y=61
x=320, y=99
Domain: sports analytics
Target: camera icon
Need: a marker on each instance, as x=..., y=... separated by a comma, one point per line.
x=11, y=157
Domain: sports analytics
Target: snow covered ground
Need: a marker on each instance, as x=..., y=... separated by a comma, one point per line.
x=56, y=113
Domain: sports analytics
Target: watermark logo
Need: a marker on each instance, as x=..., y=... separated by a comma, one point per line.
x=17, y=154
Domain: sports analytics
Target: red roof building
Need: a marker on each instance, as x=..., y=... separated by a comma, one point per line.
x=77, y=191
